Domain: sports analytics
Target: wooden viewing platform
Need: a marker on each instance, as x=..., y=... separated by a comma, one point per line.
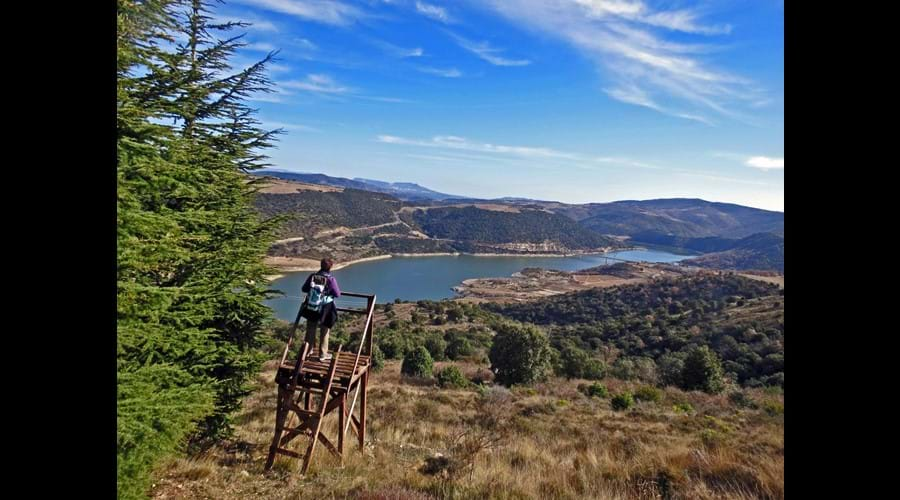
x=310, y=390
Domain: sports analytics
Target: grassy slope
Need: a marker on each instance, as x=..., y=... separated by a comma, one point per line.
x=558, y=444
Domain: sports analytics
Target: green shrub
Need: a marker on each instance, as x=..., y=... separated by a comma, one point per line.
x=575, y=362
x=459, y=347
x=455, y=315
x=451, y=377
x=636, y=368
x=595, y=370
x=622, y=401
x=773, y=390
x=393, y=344
x=436, y=346
x=669, y=367
x=740, y=398
x=648, y=393
x=572, y=361
x=702, y=371
x=417, y=363
x=717, y=424
x=377, y=358
x=597, y=390
x=773, y=408
x=520, y=354
x=683, y=408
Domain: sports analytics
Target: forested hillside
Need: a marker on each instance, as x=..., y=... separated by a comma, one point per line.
x=763, y=251
x=309, y=212
x=471, y=224
x=685, y=218
x=650, y=328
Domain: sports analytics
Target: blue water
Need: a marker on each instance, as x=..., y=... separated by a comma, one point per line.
x=417, y=278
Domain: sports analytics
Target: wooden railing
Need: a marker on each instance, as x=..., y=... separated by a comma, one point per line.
x=366, y=342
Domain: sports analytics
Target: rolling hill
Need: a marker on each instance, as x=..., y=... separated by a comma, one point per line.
x=380, y=217
x=761, y=251
x=535, y=229
x=402, y=190
x=680, y=217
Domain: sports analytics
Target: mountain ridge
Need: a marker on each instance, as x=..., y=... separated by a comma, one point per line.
x=420, y=220
x=406, y=191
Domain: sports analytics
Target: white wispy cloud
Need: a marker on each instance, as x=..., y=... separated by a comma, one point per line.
x=396, y=50
x=306, y=44
x=323, y=11
x=455, y=142
x=765, y=162
x=488, y=53
x=326, y=86
x=445, y=72
x=532, y=156
x=756, y=161
x=631, y=94
x=432, y=157
x=278, y=68
x=288, y=126
x=434, y=12
x=275, y=97
x=382, y=98
x=317, y=83
x=677, y=20
x=627, y=40
x=260, y=47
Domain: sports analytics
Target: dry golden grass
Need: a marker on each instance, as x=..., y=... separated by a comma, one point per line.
x=551, y=442
x=281, y=186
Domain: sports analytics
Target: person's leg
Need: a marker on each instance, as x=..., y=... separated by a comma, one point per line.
x=311, y=334
x=323, y=339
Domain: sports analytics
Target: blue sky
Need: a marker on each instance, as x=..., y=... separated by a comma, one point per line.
x=569, y=100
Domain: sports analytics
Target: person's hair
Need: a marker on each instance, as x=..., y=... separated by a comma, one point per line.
x=326, y=264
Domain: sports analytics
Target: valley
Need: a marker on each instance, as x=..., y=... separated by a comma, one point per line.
x=333, y=217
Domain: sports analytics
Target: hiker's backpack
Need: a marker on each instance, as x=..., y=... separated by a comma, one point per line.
x=317, y=297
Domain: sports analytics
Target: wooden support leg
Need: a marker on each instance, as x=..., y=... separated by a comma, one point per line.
x=320, y=414
x=342, y=417
x=362, y=411
x=280, y=415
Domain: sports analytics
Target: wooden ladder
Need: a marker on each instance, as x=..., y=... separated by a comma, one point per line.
x=310, y=422
x=333, y=381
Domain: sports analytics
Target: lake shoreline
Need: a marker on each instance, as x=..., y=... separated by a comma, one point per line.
x=419, y=278
x=299, y=264
x=285, y=265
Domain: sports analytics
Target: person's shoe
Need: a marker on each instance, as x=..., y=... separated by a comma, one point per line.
x=325, y=357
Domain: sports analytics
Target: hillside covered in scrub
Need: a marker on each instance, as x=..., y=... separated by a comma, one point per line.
x=450, y=418
x=352, y=220
x=680, y=217
x=763, y=251
x=309, y=212
x=649, y=328
x=471, y=224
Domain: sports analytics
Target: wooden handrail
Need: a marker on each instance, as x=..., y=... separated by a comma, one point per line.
x=370, y=307
x=367, y=311
x=291, y=337
x=360, y=295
